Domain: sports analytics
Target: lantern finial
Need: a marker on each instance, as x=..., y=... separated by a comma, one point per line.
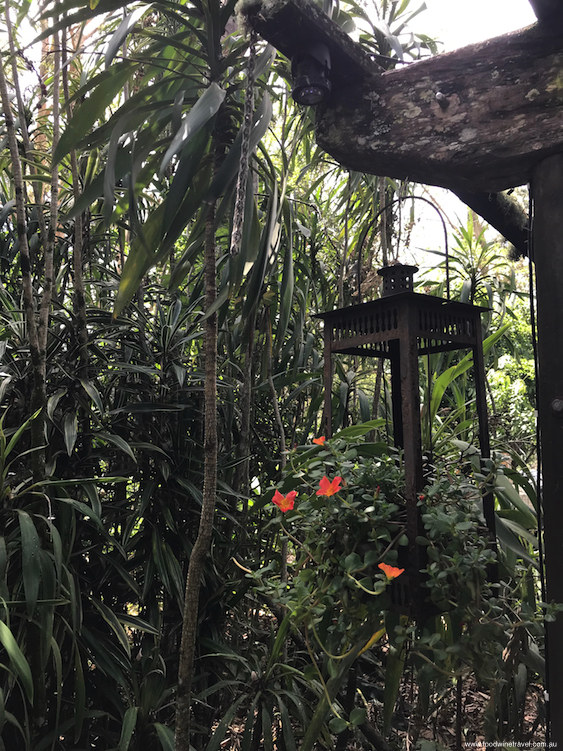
x=397, y=278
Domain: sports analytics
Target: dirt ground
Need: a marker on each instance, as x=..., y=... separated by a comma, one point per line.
x=438, y=732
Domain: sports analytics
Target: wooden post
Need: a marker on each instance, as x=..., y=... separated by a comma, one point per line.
x=482, y=416
x=547, y=242
x=412, y=441
x=327, y=378
x=396, y=398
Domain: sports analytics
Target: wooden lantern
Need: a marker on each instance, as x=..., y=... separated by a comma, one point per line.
x=401, y=326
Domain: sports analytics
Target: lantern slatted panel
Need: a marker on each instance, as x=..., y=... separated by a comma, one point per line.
x=367, y=329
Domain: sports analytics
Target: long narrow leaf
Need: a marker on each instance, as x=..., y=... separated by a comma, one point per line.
x=20, y=664
x=444, y=380
x=70, y=427
x=93, y=108
x=128, y=728
x=393, y=675
x=202, y=111
x=31, y=564
x=118, y=441
x=122, y=31
x=229, y=168
x=165, y=736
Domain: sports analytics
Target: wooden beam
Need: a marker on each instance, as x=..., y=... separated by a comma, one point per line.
x=547, y=191
x=501, y=212
x=548, y=10
x=292, y=26
x=477, y=119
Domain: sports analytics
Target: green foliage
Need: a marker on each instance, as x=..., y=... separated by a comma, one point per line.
x=337, y=595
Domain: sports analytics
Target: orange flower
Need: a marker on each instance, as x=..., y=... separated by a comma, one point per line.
x=390, y=571
x=320, y=440
x=285, y=502
x=328, y=488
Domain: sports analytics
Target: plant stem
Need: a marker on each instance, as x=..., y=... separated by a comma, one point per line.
x=202, y=543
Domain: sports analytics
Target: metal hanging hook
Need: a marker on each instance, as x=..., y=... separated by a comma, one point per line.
x=446, y=248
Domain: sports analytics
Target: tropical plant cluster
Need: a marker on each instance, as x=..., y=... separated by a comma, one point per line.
x=178, y=557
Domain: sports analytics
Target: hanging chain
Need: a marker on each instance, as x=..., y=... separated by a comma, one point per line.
x=240, y=199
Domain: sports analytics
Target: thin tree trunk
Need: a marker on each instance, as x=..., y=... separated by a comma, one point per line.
x=79, y=305
x=25, y=264
x=242, y=474
x=344, y=256
x=242, y=179
x=383, y=221
x=202, y=543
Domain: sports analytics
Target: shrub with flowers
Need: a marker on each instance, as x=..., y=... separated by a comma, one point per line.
x=343, y=516
x=341, y=511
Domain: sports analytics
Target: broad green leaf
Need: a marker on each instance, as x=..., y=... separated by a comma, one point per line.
x=19, y=663
x=393, y=674
x=53, y=401
x=128, y=728
x=365, y=406
x=355, y=431
x=165, y=736
x=122, y=31
x=202, y=111
x=358, y=716
x=31, y=564
x=265, y=60
x=118, y=441
x=70, y=427
x=505, y=488
x=93, y=393
x=7, y=209
x=93, y=108
x=337, y=725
